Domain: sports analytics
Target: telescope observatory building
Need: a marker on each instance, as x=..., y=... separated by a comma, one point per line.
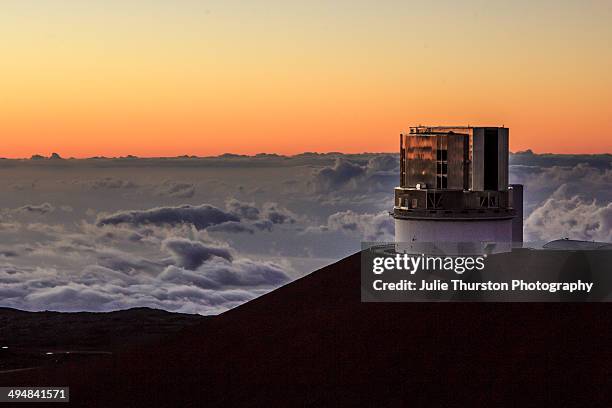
x=454, y=187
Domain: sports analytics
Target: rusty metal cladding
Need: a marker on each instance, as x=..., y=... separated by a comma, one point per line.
x=437, y=160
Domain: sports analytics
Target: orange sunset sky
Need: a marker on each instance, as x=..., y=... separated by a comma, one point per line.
x=165, y=78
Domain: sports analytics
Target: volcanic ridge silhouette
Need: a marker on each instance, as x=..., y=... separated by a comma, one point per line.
x=313, y=343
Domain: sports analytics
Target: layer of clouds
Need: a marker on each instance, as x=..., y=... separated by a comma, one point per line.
x=201, y=216
x=176, y=189
x=222, y=273
x=99, y=289
x=570, y=217
x=40, y=209
x=206, y=234
x=368, y=227
x=233, y=227
x=342, y=174
x=242, y=209
x=378, y=173
x=277, y=214
x=37, y=209
x=192, y=254
x=167, y=188
x=197, y=278
x=565, y=196
x=582, y=179
x=109, y=183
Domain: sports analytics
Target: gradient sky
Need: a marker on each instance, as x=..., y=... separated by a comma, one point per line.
x=164, y=78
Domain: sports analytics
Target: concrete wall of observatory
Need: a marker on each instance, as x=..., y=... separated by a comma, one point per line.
x=409, y=230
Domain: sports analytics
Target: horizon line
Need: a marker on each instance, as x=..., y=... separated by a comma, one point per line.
x=57, y=156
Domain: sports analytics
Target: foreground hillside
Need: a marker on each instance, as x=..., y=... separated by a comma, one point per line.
x=313, y=343
x=47, y=338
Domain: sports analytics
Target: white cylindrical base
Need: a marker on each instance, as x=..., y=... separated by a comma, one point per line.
x=486, y=230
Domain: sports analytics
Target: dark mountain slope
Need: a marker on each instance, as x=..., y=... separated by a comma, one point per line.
x=313, y=343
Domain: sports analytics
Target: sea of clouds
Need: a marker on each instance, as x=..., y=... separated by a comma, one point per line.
x=202, y=235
